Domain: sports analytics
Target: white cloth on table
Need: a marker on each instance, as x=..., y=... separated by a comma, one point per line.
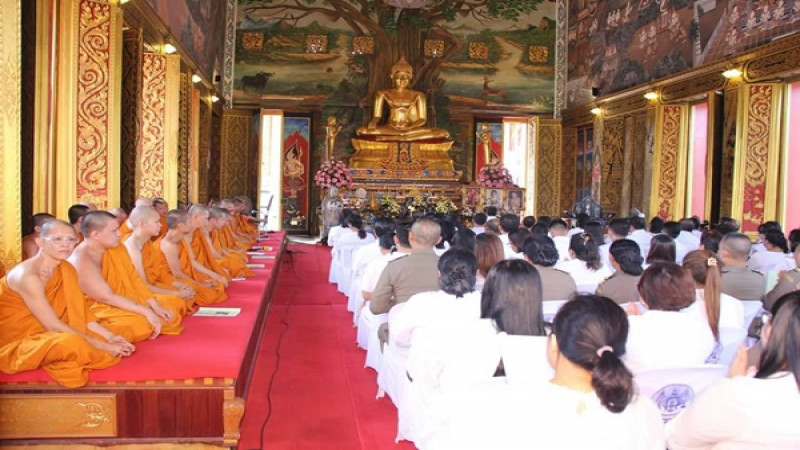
x=660, y=339
x=546, y=416
x=740, y=413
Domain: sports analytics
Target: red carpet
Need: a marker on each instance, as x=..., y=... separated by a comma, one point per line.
x=322, y=396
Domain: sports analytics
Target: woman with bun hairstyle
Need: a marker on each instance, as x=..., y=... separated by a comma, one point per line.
x=590, y=403
x=626, y=258
x=720, y=310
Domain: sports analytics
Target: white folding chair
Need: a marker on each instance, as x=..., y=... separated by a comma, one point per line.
x=525, y=358
x=729, y=340
x=550, y=308
x=673, y=389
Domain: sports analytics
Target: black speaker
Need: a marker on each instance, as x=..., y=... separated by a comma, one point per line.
x=595, y=92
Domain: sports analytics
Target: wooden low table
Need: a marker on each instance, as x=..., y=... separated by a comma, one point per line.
x=187, y=389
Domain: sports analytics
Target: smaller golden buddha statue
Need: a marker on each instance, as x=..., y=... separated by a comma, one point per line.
x=408, y=114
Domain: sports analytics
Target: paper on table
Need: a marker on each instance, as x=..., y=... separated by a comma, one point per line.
x=255, y=266
x=204, y=311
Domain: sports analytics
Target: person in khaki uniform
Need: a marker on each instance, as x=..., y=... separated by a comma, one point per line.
x=541, y=251
x=626, y=258
x=788, y=282
x=737, y=280
x=408, y=275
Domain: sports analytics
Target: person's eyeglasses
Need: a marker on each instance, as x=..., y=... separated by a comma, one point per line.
x=62, y=240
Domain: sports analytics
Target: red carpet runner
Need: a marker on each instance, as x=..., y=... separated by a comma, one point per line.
x=322, y=396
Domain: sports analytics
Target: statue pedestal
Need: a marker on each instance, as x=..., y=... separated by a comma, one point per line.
x=402, y=156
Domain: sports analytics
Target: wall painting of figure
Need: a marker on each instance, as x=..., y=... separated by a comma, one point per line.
x=295, y=175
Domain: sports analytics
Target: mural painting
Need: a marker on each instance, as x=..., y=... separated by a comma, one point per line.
x=200, y=27
x=295, y=170
x=338, y=53
x=617, y=44
x=488, y=143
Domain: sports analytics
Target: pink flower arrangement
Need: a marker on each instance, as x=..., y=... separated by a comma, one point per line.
x=495, y=176
x=333, y=174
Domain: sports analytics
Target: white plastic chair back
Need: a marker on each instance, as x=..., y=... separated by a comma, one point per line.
x=673, y=389
x=392, y=372
x=525, y=358
x=729, y=340
x=368, y=325
x=333, y=271
x=550, y=308
x=752, y=308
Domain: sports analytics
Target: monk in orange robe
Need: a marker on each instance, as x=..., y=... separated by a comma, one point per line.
x=146, y=224
x=162, y=208
x=75, y=214
x=120, y=214
x=29, y=246
x=233, y=260
x=132, y=317
x=180, y=263
x=126, y=228
x=45, y=319
x=201, y=244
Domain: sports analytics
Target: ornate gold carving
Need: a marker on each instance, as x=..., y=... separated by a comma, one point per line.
x=229, y=52
x=150, y=169
x=204, y=143
x=560, y=98
x=236, y=129
x=568, y=167
x=317, y=43
x=757, y=156
x=577, y=116
x=184, y=131
x=232, y=413
x=729, y=133
x=692, y=87
x=57, y=415
x=612, y=164
x=364, y=45
x=538, y=53
x=548, y=170
x=94, y=101
x=401, y=155
x=478, y=50
x=132, y=51
x=669, y=164
x=624, y=105
x=638, y=167
x=10, y=122
x=253, y=40
x=771, y=65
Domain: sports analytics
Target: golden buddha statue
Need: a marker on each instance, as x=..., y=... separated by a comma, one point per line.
x=407, y=111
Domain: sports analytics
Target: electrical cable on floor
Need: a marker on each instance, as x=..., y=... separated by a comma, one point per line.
x=290, y=261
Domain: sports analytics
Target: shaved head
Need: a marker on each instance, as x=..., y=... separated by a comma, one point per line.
x=96, y=221
x=143, y=202
x=196, y=210
x=141, y=213
x=90, y=205
x=426, y=232
x=218, y=213
x=737, y=245
x=53, y=225
x=41, y=219
x=177, y=217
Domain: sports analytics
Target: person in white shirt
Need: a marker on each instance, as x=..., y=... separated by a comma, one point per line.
x=489, y=251
x=639, y=235
x=662, y=249
x=664, y=336
x=335, y=232
x=687, y=234
x=617, y=229
x=673, y=229
x=508, y=224
x=763, y=229
x=580, y=222
x=776, y=257
x=479, y=220
x=558, y=232
x=718, y=309
x=517, y=240
x=756, y=408
x=585, y=266
x=591, y=402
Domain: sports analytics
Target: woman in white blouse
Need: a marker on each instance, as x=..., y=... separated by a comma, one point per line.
x=720, y=310
x=584, y=266
x=664, y=336
x=590, y=403
x=750, y=411
x=775, y=257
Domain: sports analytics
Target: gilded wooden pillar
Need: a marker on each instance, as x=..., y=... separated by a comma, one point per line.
x=195, y=168
x=596, y=175
x=549, y=176
x=131, y=126
x=568, y=167
x=627, y=165
x=757, y=155
x=88, y=97
x=10, y=120
x=668, y=198
x=157, y=159
x=184, y=137
x=612, y=162
x=203, y=148
x=730, y=126
x=235, y=155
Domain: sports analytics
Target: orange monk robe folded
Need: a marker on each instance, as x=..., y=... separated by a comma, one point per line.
x=158, y=273
x=230, y=242
x=25, y=345
x=245, y=227
x=124, y=231
x=164, y=229
x=188, y=269
x=156, y=268
x=217, y=242
x=235, y=263
x=121, y=276
x=202, y=252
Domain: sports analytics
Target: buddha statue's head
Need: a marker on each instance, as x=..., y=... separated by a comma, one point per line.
x=402, y=73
